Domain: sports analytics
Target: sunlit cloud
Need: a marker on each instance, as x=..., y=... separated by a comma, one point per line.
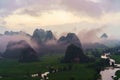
x=59, y=15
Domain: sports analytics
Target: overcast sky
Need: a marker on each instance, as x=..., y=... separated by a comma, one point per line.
x=61, y=15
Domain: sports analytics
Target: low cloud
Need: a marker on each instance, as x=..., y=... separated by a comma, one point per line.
x=90, y=36
x=4, y=40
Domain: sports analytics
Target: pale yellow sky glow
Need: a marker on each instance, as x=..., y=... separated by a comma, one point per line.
x=55, y=18
x=60, y=15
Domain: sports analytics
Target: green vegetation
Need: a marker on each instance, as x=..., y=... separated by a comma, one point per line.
x=13, y=70
x=117, y=75
x=116, y=58
x=79, y=72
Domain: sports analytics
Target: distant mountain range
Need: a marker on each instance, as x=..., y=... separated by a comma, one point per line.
x=41, y=42
x=16, y=33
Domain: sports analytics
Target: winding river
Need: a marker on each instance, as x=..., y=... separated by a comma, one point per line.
x=109, y=72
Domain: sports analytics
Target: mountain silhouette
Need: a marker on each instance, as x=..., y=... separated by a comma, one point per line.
x=74, y=54
x=104, y=35
x=71, y=38
x=20, y=50
x=41, y=35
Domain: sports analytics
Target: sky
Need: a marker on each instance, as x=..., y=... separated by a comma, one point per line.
x=61, y=16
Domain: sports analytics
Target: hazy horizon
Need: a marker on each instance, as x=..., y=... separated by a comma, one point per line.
x=61, y=16
x=59, y=39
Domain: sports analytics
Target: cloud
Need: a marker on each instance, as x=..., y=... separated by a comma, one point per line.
x=51, y=14
x=30, y=7
x=2, y=22
x=8, y=6
x=110, y=5
x=4, y=40
x=93, y=8
x=83, y=6
x=90, y=36
x=2, y=25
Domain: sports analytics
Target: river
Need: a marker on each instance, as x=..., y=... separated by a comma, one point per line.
x=108, y=72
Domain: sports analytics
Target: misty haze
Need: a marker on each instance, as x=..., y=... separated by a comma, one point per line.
x=59, y=39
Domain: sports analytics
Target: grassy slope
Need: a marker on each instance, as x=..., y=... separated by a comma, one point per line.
x=12, y=70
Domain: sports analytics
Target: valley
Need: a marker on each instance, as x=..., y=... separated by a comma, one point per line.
x=59, y=39
x=12, y=70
